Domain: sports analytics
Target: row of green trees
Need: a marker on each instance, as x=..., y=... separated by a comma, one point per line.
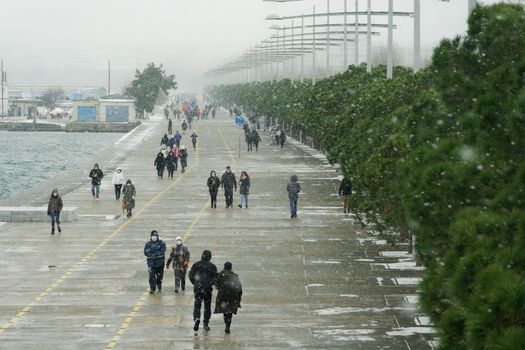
x=439, y=154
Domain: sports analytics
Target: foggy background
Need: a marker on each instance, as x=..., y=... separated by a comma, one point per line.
x=68, y=42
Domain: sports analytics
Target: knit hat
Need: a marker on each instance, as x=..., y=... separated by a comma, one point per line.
x=228, y=266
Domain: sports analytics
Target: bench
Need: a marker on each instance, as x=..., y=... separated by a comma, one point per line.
x=35, y=214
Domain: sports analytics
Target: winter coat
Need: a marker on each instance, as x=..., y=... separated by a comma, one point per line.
x=55, y=204
x=170, y=161
x=164, y=140
x=213, y=183
x=255, y=137
x=178, y=136
x=129, y=196
x=155, y=251
x=118, y=178
x=244, y=186
x=193, y=138
x=180, y=256
x=172, y=142
x=96, y=176
x=345, y=189
x=165, y=152
x=228, y=181
x=203, y=274
x=159, y=161
x=183, y=158
x=293, y=188
x=175, y=151
x=230, y=293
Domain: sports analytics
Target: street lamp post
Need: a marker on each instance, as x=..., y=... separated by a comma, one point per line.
x=302, y=48
x=313, y=52
x=293, y=58
x=369, y=37
x=390, y=58
x=327, y=37
x=345, y=46
x=356, y=31
x=417, y=35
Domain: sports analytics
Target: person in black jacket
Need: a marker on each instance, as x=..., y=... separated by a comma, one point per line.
x=54, y=207
x=96, y=176
x=345, y=190
x=203, y=276
x=228, y=182
x=165, y=140
x=213, y=186
x=159, y=163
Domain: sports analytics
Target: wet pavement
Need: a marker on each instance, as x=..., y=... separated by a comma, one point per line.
x=315, y=282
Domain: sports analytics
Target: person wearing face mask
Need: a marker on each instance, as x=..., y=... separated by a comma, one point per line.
x=228, y=182
x=118, y=181
x=180, y=256
x=129, y=197
x=183, y=154
x=154, y=250
x=54, y=207
x=96, y=176
x=213, y=187
x=244, y=189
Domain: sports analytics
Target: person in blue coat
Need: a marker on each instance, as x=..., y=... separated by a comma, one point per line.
x=178, y=137
x=155, y=250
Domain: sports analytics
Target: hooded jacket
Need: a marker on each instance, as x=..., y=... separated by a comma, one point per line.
x=203, y=274
x=293, y=187
x=155, y=251
x=230, y=293
x=55, y=203
x=96, y=174
x=159, y=161
x=118, y=178
x=129, y=193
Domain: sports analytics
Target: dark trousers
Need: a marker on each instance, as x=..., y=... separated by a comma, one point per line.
x=213, y=196
x=160, y=171
x=156, y=273
x=118, y=189
x=171, y=170
x=180, y=278
x=200, y=296
x=228, y=194
x=228, y=319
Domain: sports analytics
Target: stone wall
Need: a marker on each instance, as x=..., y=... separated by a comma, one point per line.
x=101, y=127
x=22, y=126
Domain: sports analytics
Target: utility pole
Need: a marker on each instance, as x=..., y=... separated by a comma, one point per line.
x=345, y=45
x=369, y=37
x=302, y=48
x=109, y=77
x=313, y=51
x=327, y=37
x=356, y=32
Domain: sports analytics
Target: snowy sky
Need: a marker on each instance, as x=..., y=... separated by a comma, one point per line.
x=68, y=42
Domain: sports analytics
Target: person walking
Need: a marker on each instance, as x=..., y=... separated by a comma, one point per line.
x=194, y=140
x=159, y=163
x=170, y=164
x=244, y=189
x=256, y=138
x=176, y=153
x=129, y=193
x=183, y=158
x=180, y=256
x=154, y=250
x=282, y=138
x=213, y=187
x=345, y=190
x=96, y=176
x=118, y=181
x=293, y=189
x=54, y=207
x=165, y=139
x=170, y=127
x=229, y=295
x=178, y=137
x=203, y=275
x=228, y=182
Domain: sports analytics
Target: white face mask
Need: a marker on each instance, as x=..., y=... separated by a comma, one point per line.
x=179, y=242
x=55, y=194
x=154, y=238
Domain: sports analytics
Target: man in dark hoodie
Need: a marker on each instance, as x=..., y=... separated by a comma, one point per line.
x=203, y=275
x=228, y=182
x=96, y=176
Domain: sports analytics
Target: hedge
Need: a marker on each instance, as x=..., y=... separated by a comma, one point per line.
x=439, y=154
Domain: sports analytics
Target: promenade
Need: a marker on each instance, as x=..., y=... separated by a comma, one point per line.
x=316, y=282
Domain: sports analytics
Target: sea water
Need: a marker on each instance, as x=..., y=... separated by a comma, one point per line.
x=30, y=158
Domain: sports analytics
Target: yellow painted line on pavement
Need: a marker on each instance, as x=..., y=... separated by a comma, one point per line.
x=27, y=309
x=228, y=148
x=140, y=303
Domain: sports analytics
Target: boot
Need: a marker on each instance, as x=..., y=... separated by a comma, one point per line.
x=228, y=324
x=53, y=230
x=59, y=229
x=206, y=327
x=196, y=326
